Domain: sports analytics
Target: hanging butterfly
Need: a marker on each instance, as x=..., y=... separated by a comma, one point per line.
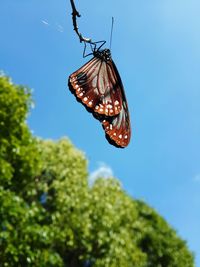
x=98, y=86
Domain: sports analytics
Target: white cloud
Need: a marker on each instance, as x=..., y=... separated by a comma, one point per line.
x=197, y=178
x=60, y=28
x=103, y=171
x=45, y=22
x=55, y=26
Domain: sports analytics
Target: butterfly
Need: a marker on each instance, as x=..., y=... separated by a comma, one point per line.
x=98, y=86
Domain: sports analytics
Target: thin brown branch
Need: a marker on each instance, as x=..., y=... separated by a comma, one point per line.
x=76, y=14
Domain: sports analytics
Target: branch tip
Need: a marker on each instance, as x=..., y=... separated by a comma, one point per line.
x=75, y=14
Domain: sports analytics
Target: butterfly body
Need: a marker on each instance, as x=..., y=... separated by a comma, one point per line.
x=98, y=86
x=103, y=54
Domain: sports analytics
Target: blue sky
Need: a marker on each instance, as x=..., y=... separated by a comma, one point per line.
x=156, y=47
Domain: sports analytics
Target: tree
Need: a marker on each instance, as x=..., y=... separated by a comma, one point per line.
x=51, y=216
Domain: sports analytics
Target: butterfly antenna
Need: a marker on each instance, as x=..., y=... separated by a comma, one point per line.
x=111, y=33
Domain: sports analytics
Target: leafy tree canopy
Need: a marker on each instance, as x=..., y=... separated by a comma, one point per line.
x=51, y=216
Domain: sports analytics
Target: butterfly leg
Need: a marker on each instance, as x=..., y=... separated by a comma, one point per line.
x=84, y=50
x=92, y=48
x=103, y=43
x=95, y=45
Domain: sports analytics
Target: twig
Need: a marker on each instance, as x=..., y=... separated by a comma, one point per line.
x=75, y=14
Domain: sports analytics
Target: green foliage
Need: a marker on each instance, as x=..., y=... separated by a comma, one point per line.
x=113, y=214
x=51, y=216
x=160, y=242
x=18, y=152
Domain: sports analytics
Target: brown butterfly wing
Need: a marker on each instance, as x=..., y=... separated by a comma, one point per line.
x=117, y=128
x=98, y=86
x=95, y=84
